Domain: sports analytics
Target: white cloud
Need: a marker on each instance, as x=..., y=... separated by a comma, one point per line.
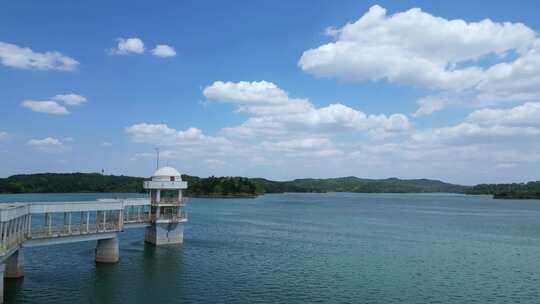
x=163, y=50
x=473, y=133
x=429, y=104
x=276, y=113
x=129, y=45
x=297, y=144
x=106, y=144
x=244, y=92
x=518, y=80
x=283, y=134
x=3, y=135
x=303, y=147
x=24, y=58
x=466, y=63
x=215, y=162
x=53, y=106
x=161, y=134
x=414, y=47
x=49, y=107
x=527, y=114
x=70, y=99
x=48, y=144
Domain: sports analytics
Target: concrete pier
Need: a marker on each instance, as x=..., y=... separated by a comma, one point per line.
x=164, y=233
x=40, y=223
x=107, y=251
x=14, y=265
x=2, y=271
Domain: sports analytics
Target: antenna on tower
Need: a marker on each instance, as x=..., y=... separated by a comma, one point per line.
x=157, y=159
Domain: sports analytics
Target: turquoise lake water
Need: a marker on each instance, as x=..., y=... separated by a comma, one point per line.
x=306, y=248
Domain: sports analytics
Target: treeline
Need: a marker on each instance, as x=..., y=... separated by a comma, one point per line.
x=95, y=182
x=530, y=190
x=69, y=182
x=249, y=187
x=359, y=185
x=221, y=186
x=217, y=186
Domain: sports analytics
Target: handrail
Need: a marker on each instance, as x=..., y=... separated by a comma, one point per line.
x=16, y=219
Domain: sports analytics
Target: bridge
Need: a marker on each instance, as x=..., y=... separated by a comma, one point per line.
x=48, y=223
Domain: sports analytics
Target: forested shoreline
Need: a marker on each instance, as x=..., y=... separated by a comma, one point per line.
x=530, y=190
x=228, y=186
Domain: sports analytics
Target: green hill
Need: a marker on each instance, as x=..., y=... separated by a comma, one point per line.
x=216, y=186
x=530, y=190
x=94, y=182
x=360, y=185
x=249, y=187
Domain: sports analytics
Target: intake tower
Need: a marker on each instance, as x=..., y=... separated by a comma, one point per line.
x=166, y=207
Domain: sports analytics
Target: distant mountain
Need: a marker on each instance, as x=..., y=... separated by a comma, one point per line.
x=69, y=182
x=360, y=185
x=249, y=187
x=217, y=186
x=95, y=182
x=530, y=190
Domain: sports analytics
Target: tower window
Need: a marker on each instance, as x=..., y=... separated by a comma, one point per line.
x=172, y=178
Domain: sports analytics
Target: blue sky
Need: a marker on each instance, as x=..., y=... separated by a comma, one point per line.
x=271, y=88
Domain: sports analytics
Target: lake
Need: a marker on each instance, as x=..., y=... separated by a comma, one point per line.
x=306, y=248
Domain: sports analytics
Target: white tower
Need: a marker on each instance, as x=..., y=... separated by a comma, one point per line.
x=167, y=202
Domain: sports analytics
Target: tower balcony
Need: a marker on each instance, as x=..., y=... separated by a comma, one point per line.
x=169, y=218
x=171, y=201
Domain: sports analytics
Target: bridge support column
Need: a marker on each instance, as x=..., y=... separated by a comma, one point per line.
x=107, y=250
x=2, y=271
x=165, y=233
x=14, y=267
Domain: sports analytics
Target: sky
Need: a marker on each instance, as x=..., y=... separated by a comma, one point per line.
x=447, y=90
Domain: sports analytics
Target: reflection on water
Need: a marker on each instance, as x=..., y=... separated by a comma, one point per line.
x=305, y=248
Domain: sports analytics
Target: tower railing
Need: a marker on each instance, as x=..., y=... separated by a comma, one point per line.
x=172, y=200
x=170, y=217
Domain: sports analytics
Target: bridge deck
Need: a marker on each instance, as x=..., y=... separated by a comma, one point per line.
x=41, y=223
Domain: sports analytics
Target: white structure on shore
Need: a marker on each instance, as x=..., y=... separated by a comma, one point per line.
x=48, y=223
x=166, y=201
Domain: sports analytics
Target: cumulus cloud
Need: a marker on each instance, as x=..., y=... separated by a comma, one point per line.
x=215, y=162
x=473, y=133
x=130, y=45
x=518, y=80
x=49, y=107
x=517, y=124
x=70, y=99
x=301, y=147
x=47, y=144
x=244, y=92
x=163, y=50
x=429, y=104
x=3, y=135
x=54, y=106
x=297, y=144
x=414, y=47
x=162, y=134
x=285, y=132
x=527, y=114
x=25, y=58
x=276, y=113
x=418, y=49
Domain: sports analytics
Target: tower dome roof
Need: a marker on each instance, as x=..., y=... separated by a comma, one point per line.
x=167, y=171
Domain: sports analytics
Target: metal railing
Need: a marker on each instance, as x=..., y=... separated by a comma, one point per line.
x=63, y=230
x=20, y=221
x=170, y=217
x=172, y=200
